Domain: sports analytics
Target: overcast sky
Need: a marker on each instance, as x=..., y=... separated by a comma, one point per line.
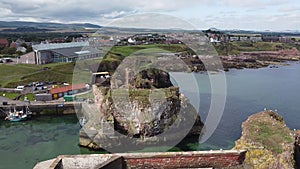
x=222, y=14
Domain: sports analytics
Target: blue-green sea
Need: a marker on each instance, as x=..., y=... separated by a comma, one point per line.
x=249, y=91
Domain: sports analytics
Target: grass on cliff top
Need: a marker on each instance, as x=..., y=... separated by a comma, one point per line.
x=128, y=50
x=270, y=131
x=143, y=95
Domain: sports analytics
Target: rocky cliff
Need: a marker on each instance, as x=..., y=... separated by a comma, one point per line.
x=148, y=112
x=270, y=144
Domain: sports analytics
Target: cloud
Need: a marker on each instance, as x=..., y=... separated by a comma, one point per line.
x=242, y=3
x=252, y=21
x=153, y=21
x=234, y=12
x=66, y=10
x=289, y=8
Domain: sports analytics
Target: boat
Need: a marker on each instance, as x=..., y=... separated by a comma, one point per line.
x=82, y=121
x=17, y=116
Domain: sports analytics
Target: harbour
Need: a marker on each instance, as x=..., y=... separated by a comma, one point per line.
x=40, y=108
x=47, y=136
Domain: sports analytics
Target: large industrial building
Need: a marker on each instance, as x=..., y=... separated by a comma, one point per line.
x=59, y=52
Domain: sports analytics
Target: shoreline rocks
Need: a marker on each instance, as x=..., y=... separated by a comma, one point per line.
x=260, y=59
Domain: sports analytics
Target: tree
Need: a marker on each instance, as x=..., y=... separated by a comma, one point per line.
x=9, y=51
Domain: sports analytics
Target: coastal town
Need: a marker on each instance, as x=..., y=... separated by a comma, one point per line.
x=236, y=50
x=44, y=85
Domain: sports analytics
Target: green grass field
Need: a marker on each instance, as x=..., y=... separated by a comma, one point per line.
x=11, y=95
x=14, y=75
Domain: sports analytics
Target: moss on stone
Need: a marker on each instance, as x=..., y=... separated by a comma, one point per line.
x=269, y=142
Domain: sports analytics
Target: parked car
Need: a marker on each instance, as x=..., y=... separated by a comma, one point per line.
x=20, y=88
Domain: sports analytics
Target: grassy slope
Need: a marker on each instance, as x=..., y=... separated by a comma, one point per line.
x=13, y=75
x=127, y=50
x=10, y=95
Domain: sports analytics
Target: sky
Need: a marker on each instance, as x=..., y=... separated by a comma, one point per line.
x=274, y=15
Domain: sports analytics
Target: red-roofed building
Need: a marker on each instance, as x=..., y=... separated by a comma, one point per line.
x=13, y=45
x=4, y=43
x=68, y=90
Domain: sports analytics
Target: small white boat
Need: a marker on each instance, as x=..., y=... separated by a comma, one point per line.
x=17, y=116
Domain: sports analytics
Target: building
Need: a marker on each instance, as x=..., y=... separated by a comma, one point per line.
x=68, y=90
x=4, y=43
x=28, y=58
x=63, y=52
x=43, y=97
x=270, y=38
x=21, y=49
x=245, y=37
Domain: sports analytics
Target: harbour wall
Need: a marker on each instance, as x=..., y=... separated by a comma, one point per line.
x=65, y=108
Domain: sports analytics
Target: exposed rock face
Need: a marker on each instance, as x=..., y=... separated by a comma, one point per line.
x=151, y=111
x=151, y=78
x=297, y=148
x=270, y=143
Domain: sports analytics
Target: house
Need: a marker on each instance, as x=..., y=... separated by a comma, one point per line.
x=4, y=43
x=68, y=90
x=21, y=49
x=63, y=52
x=13, y=45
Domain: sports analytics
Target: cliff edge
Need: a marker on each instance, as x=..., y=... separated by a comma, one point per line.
x=270, y=144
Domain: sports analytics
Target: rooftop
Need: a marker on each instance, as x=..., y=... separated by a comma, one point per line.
x=3, y=41
x=52, y=46
x=67, y=88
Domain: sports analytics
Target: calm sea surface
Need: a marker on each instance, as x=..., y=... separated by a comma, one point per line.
x=249, y=91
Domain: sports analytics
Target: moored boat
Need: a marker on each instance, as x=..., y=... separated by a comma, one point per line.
x=82, y=121
x=17, y=116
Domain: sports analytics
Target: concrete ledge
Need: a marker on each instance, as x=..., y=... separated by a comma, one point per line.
x=44, y=164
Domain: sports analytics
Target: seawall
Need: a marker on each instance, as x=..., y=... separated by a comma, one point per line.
x=40, y=108
x=160, y=160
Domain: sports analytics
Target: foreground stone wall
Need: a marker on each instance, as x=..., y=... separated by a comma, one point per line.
x=228, y=159
x=215, y=159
